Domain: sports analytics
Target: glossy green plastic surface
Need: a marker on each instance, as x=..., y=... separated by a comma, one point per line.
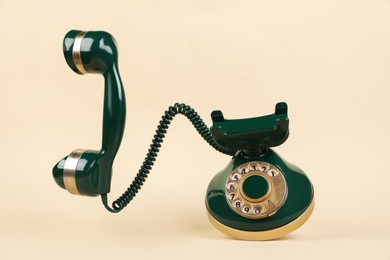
x=99, y=55
x=300, y=195
x=252, y=134
x=255, y=186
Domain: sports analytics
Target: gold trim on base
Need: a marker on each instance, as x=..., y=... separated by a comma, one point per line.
x=267, y=234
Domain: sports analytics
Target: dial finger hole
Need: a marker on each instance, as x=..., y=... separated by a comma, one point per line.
x=246, y=209
x=253, y=166
x=232, y=186
x=273, y=172
x=264, y=167
x=257, y=211
x=243, y=170
x=232, y=196
x=235, y=176
x=237, y=204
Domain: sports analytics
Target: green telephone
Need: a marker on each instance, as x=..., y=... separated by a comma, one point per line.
x=257, y=196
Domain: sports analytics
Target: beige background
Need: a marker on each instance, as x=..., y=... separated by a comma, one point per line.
x=329, y=60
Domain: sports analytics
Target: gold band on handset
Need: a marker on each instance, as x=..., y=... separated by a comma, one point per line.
x=76, y=52
x=70, y=168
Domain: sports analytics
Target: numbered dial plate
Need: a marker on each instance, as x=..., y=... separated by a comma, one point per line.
x=256, y=190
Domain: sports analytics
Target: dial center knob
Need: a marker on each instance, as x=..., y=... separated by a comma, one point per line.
x=255, y=187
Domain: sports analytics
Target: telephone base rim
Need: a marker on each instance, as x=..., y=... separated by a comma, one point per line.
x=263, y=235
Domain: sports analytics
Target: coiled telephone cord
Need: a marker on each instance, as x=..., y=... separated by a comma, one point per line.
x=200, y=126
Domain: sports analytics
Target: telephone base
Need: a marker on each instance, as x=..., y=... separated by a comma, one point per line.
x=263, y=235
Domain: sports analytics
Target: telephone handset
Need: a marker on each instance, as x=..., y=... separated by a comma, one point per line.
x=257, y=196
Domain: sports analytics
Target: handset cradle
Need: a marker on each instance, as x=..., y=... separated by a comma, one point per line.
x=251, y=135
x=257, y=196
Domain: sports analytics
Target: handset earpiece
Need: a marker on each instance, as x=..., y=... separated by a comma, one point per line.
x=88, y=172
